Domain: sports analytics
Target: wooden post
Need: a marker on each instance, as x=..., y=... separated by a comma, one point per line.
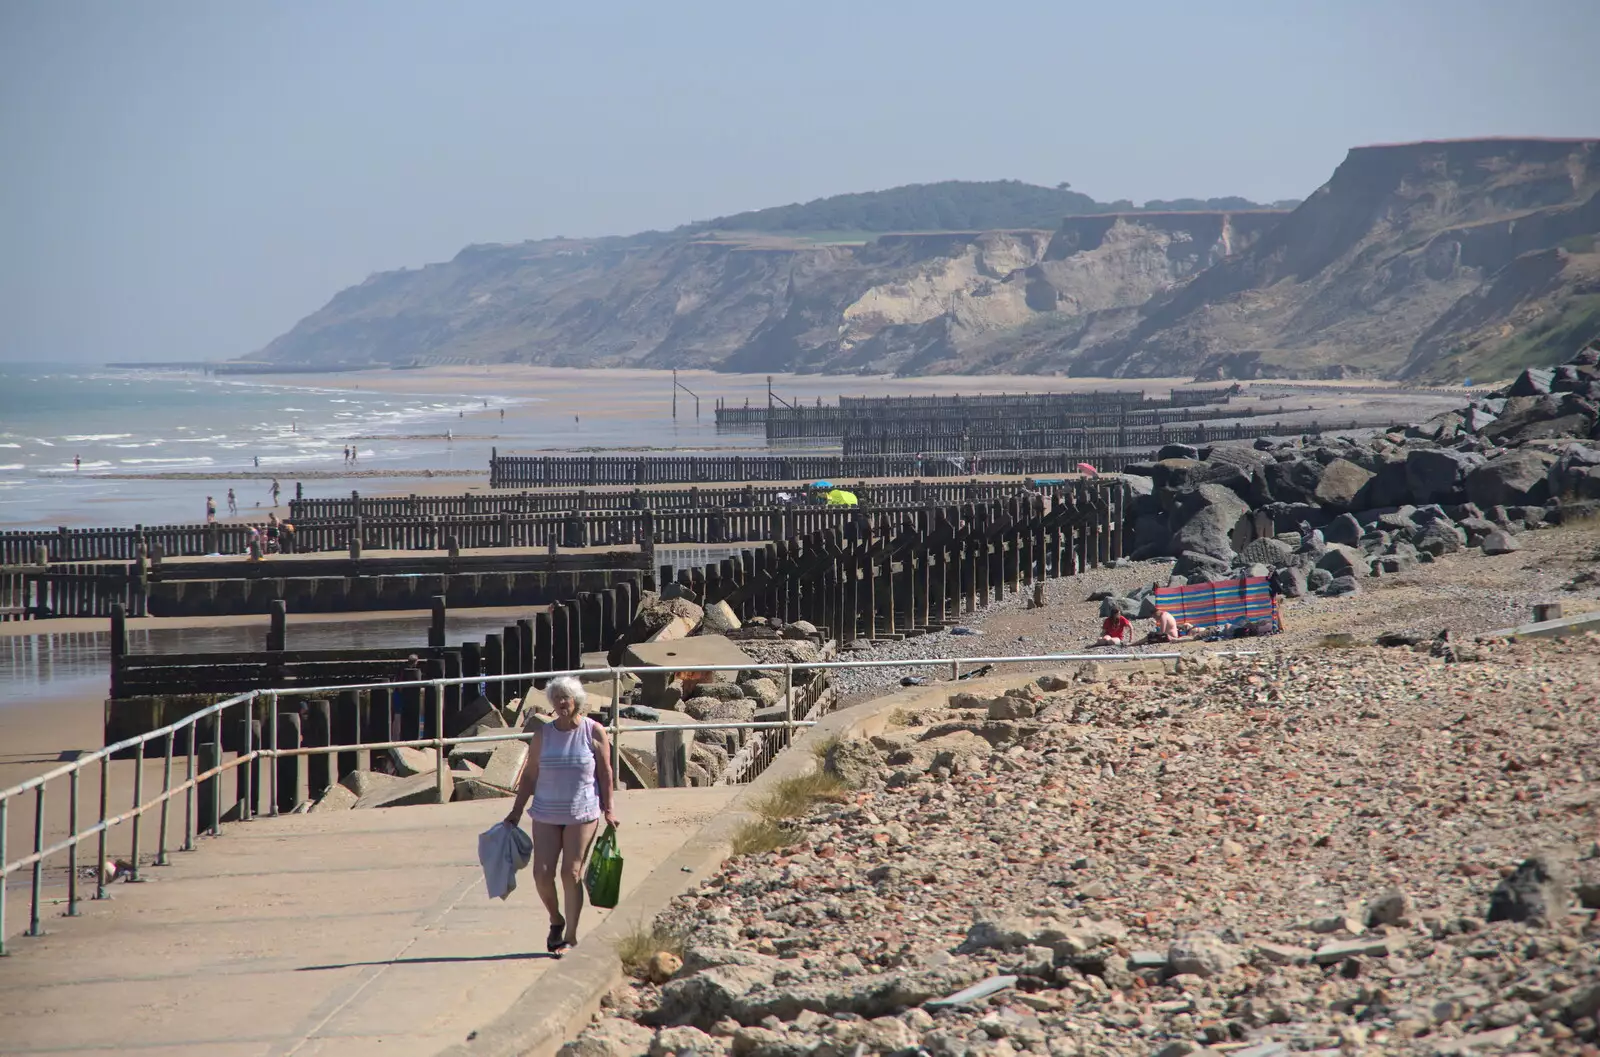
x=345, y=729
x=316, y=730
x=543, y=645
x=207, y=800
x=574, y=658
x=119, y=647
x=492, y=664
x=289, y=768
x=278, y=629
x=436, y=626
x=525, y=646
x=410, y=706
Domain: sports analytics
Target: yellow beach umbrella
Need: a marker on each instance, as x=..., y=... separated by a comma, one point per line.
x=839, y=497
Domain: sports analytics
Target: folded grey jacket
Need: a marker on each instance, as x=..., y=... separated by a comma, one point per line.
x=502, y=851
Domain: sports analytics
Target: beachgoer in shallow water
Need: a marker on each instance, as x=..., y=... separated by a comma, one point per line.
x=567, y=773
x=1116, y=631
x=502, y=414
x=274, y=490
x=211, y=510
x=233, y=503
x=77, y=462
x=258, y=461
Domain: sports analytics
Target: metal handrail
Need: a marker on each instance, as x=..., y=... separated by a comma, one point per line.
x=251, y=753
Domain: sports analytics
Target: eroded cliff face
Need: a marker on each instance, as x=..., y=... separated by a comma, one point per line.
x=1428, y=260
x=910, y=301
x=1410, y=260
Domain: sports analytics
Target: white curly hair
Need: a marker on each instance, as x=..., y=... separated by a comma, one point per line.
x=565, y=687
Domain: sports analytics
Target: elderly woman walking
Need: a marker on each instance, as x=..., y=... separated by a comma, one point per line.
x=567, y=772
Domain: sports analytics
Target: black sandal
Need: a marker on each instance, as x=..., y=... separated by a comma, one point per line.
x=556, y=940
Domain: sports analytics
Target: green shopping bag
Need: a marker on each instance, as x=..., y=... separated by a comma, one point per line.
x=604, y=876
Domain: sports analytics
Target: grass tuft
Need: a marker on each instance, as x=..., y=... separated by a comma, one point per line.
x=763, y=835
x=821, y=749
x=793, y=797
x=636, y=948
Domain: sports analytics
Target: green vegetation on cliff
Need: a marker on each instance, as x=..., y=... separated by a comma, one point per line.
x=951, y=205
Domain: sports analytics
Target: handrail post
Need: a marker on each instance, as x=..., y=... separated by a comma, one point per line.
x=272, y=727
x=38, y=864
x=5, y=821
x=100, y=862
x=166, y=803
x=138, y=804
x=246, y=786
x=216, y=785
x=616, y=729
x=436, y=688
x=72, y=852
x=788, y=705
x=189, y=788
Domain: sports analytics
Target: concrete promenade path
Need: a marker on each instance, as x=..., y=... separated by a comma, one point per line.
x=353, y=933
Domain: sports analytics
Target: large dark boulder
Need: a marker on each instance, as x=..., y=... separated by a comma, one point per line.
x=1344, y=486
x=1389, y=486
x=1151, y=537
x=1439, y=475
x=1541, y=417
x=1344, y=561
x=1210, y=520
x=1179, y=451
x=1575, y=474
x=1344, y=529
x=1534, y=381
x=1194, y=567
x=1294, y=480
x=1289, y=582
x=1516, y=478
x=1438, y=538
x=1268, y=551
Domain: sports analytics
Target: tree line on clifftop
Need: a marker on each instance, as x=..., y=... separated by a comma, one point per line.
x=957, y=205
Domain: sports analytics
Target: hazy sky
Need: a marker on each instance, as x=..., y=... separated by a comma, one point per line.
x=188, y=179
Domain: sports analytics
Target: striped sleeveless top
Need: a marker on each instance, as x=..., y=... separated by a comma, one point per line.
x=565, y=792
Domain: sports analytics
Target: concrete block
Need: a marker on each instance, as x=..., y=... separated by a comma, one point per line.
x=674, y=629
x=480, y=752
x=720, y=618
x=365, y=783
x=505, y=763
x=418, y=789
x=463, y=768
x=1339, y=950
x=408, y=762
x=337, y=798
x=467, y=788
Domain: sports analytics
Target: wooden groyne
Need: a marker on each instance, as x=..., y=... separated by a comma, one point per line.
x=546, y=471
x=1091, y=445
x=955, y=405
x=880, y=576
x=235, y=586
x=150, y=690
x=823, y=423
x=877, y=493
